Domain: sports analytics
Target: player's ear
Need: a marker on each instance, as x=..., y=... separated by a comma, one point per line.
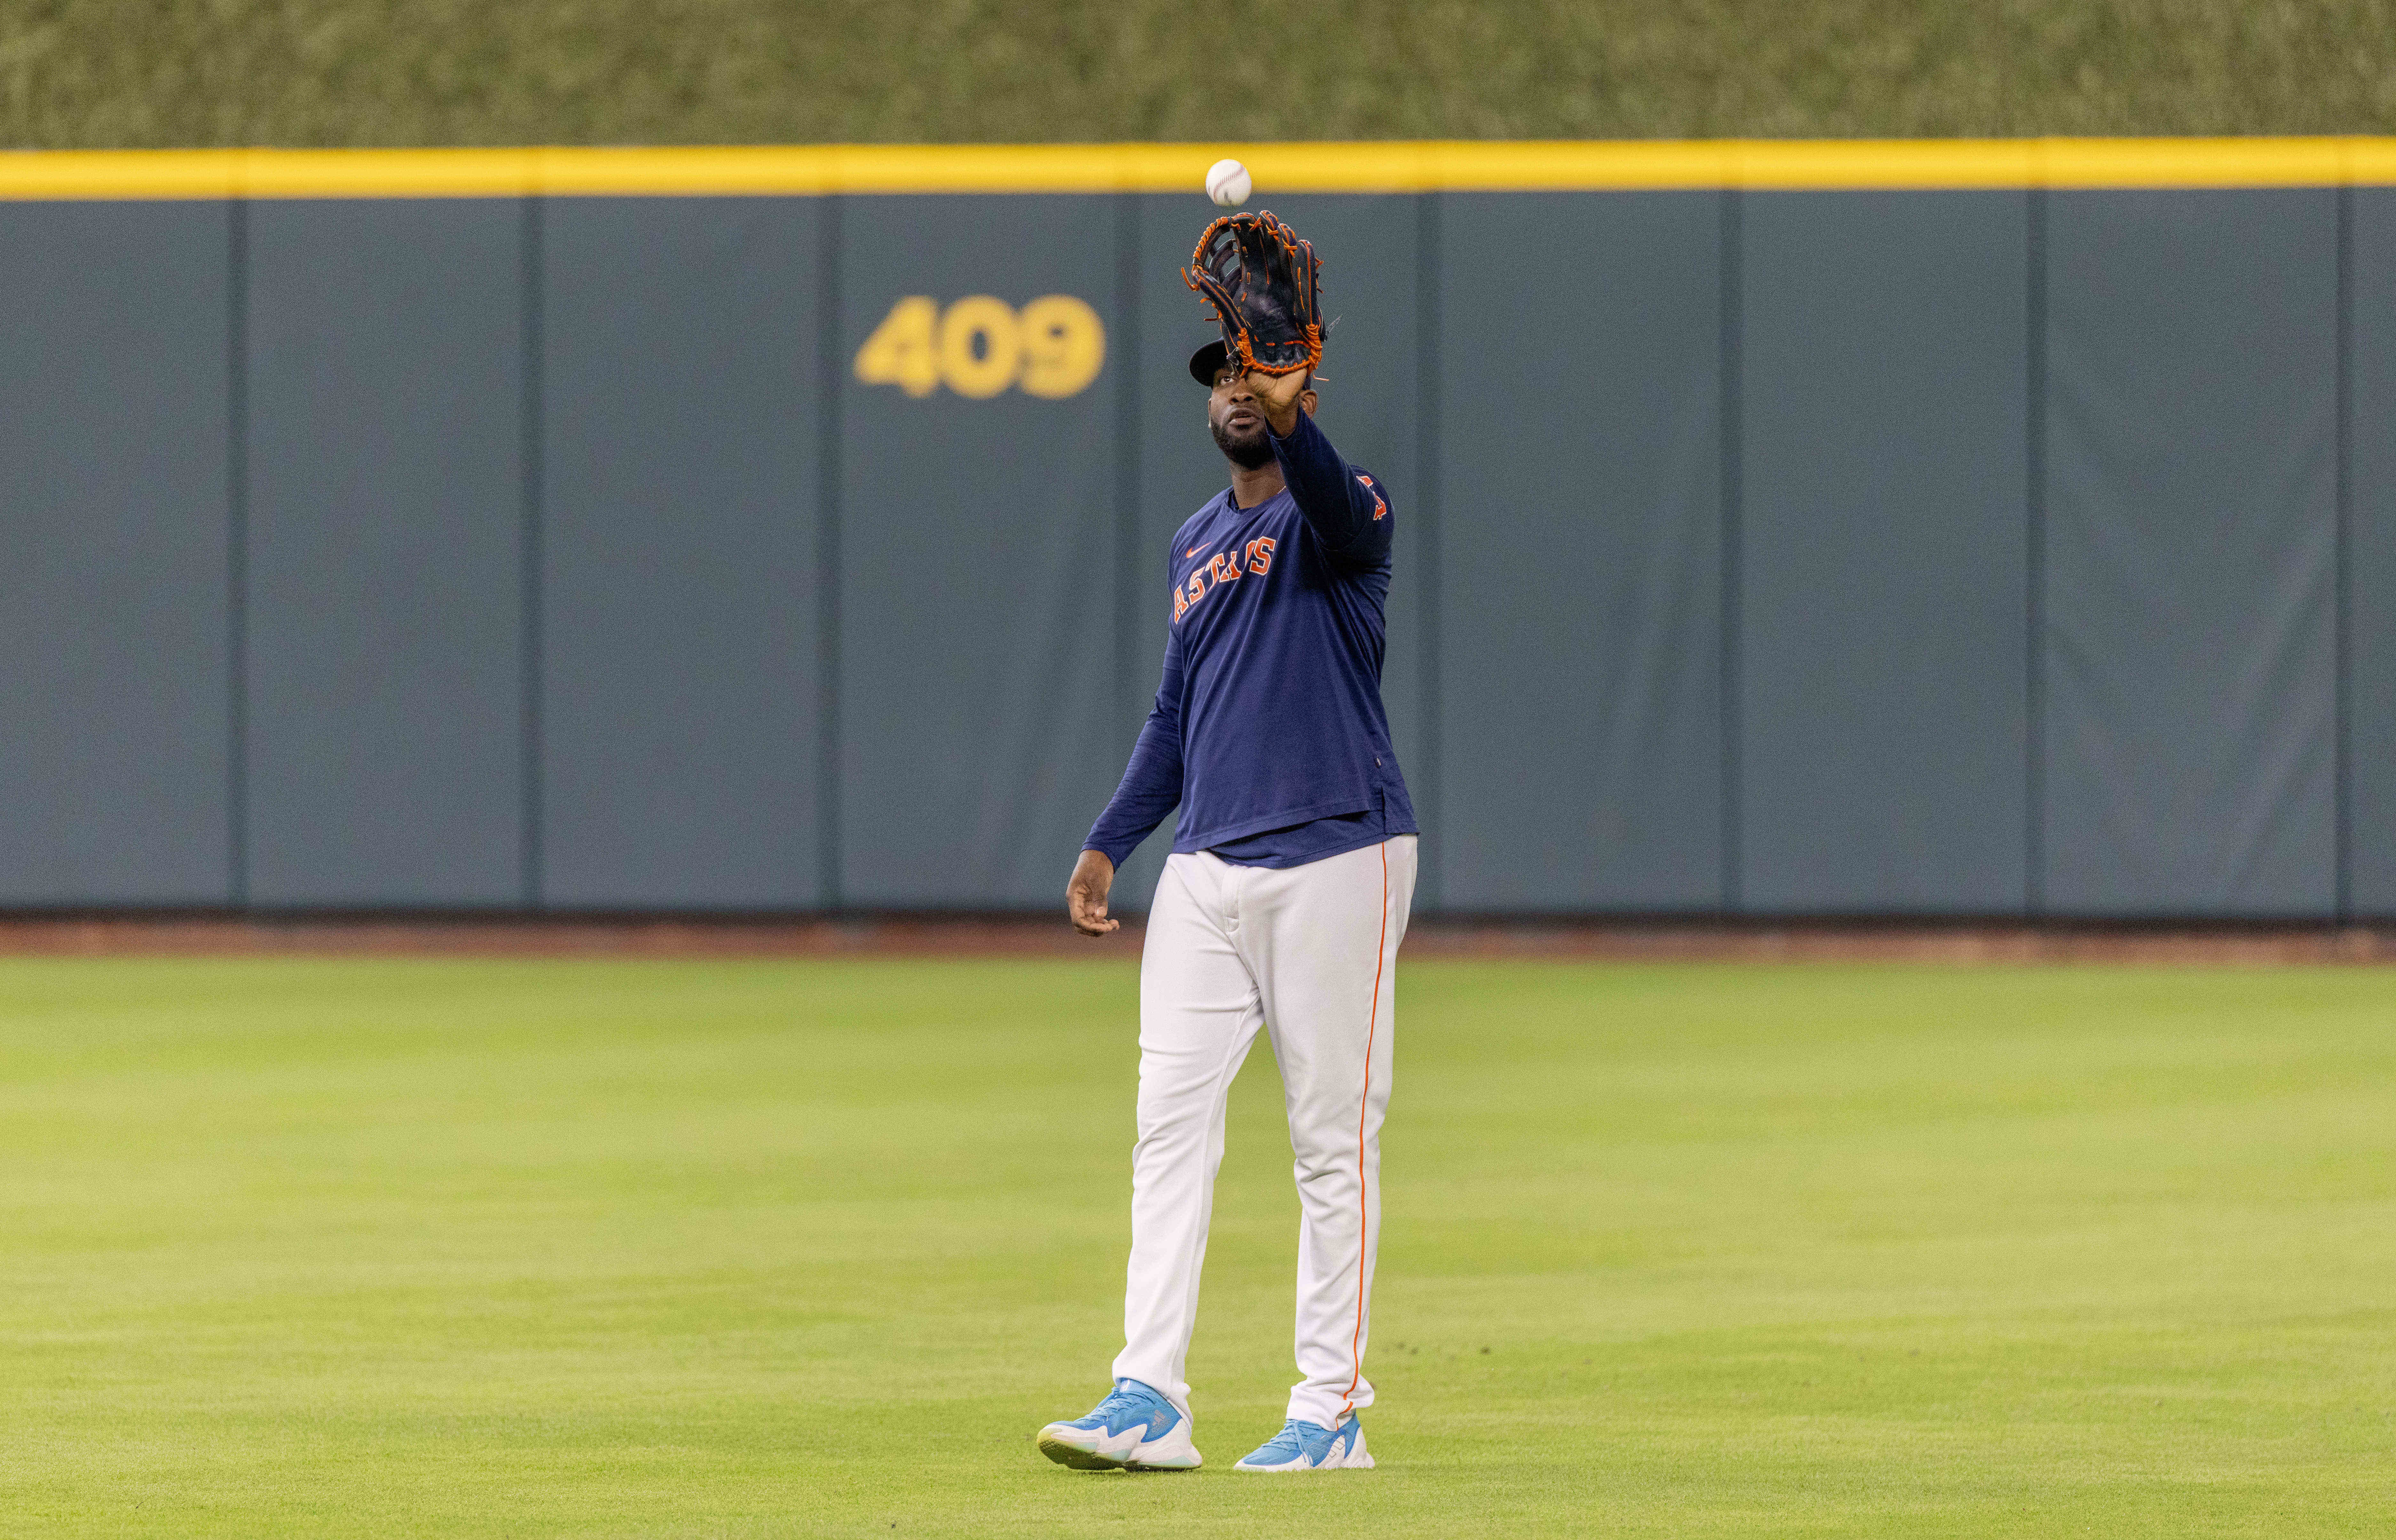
x=1306, y=396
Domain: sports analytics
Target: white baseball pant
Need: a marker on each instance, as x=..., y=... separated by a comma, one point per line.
x=1308, y=954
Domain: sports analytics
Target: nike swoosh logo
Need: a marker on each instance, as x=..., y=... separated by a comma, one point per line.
x=1193, y=550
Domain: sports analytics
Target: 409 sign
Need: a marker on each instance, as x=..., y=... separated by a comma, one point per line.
x=979, y=346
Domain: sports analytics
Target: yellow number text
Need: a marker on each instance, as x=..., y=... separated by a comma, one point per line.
x=981, y=345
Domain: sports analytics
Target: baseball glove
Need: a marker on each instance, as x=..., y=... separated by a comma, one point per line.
x=1260, y=278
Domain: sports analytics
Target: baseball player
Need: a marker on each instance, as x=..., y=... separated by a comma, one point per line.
x=1284, y=901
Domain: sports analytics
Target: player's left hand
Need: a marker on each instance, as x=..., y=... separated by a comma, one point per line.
x=1277, y=395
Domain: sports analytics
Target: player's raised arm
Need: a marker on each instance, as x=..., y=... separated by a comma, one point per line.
x=1347, y=508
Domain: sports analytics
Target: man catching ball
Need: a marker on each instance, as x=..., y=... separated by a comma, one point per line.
x=1285, y=897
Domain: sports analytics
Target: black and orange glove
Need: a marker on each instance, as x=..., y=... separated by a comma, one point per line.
x=1260, y=279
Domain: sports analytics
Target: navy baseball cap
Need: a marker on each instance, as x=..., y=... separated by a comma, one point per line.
x=1208, y=361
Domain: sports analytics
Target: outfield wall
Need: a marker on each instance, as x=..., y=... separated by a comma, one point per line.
x=1887, y=535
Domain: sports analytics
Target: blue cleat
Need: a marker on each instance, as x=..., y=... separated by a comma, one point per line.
x=1311, y=1446
x=1134, y=1428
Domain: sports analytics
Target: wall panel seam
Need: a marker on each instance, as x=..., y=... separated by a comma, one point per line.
x=829, y=380
x=237, y=554
x=1430, y=466
x=2342, y=612
x=529, y=552
x=2034, y=560
x=1732, y=449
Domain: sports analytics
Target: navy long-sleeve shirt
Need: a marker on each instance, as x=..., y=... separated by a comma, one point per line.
x=1268, y=730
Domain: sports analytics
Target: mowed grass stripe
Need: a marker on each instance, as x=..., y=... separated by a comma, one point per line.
x=565, y=1247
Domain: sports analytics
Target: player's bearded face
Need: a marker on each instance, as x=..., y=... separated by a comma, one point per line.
x=1238, y=424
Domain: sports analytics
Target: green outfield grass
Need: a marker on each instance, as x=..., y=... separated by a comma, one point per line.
x=752, y=1249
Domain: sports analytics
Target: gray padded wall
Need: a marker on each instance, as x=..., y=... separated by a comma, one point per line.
x=1370, y=391
x=385, y=399
x=2190, y=553
x=709, y=725
x=2371, y=737
x=1882, y=606
x=1579, y=758
x=678, y=709
x=114, y=637
x=978, y=727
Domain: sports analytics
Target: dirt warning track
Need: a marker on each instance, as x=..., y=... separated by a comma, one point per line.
x=1654, y=939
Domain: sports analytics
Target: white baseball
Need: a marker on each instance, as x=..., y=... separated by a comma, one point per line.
x=1227, y=183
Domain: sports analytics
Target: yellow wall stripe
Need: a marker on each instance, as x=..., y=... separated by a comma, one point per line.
x=1386, y=166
